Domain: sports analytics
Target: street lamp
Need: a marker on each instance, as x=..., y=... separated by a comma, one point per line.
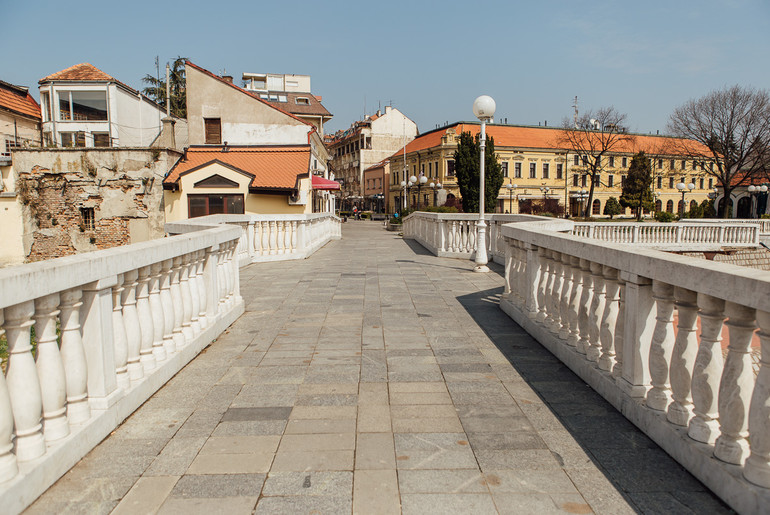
x=435, y=186
x=754, y=191
x=484, y=109
x=404, y=199
x=582, y=196
x=420, y=184
x=511, y=188
x=683, y=188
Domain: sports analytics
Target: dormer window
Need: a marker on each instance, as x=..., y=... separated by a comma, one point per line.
x=303, y=101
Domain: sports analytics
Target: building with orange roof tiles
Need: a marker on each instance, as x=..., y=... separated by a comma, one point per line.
x=541, y=169
x=19, y=121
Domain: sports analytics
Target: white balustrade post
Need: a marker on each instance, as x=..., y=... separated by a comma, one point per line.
x=222, y=279
x=131, y=323
x=638, y=326
x=609, y=318
x=294, y=236
x=683, y=357
x=736, y=386
x=556, y=283
x=73, y=356
x=8, y=467
x=211, y=276
x=584, y=320
x=757, y=468
x=236, y=287
x=228, y=275
x=200, y=280
x=143, y=311
x=50, y=369
x=22, y=382
x=568, y=285
x=273, y=229
x=176, y=301
x=250, y=236
x=167, y=301
x=620, y=325
x=192, y=283
x=96, y=320
x=707, y=371
x=119, y=339
x=661, y=346
x=184, y=290
x=264, y=248
x=156, y=311
x=546, y=279
x=509, y=273
x=596, y=310
x=574, y=301
x=532, y=280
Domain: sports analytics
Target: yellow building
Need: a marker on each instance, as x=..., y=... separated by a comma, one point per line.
x=539, y=165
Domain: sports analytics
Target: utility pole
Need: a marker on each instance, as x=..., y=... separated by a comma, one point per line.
x=575, y=106
x=168, y=92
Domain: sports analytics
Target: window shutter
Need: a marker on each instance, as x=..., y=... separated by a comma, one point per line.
x=213, y=128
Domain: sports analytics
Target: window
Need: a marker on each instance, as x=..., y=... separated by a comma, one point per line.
x=670, y=206
x=545, y=170
x=504, y=165
x=73, y=139
x=622, y=181
x=422, y=169
x=660, y=164
x=430, y=169
x=45, y=100
x=213, y=131
x=684, y=164
x=585, y=160
x=672, y=164
x=711, y=166
x=711, y=183
x=202, y=205
x=610, y=181
x=575, y=179
x=612, y=161
x=584, y=181
x=559, y=171
x=517, y=170
x=660, y=184
x=101, y=139
x=532, y=171
x=83, y=105
x=702, y=180
x=596, y=207
x=575, y=160
x=87, y=218
x=624, y=162
x=671, y=183
x=450, y=168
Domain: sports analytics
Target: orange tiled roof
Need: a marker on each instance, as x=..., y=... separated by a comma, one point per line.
x=270, y=167
x=546, y=138
x=18, y=100
x=80, y=72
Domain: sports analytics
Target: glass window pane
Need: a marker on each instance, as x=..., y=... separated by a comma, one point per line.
x=235, y=204
x=216, y=204
x=197, y=206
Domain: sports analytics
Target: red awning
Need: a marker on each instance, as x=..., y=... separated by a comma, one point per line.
x=319, y=183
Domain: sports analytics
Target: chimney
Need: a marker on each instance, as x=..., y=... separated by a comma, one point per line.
x=387, y=109
x=167, y=137
x=228, y=78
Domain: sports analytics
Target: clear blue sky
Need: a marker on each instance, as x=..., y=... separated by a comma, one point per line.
x=430, y=58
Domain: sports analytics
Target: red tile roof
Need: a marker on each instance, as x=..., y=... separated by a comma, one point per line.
x=544, y=138
x=18, y=100
x=270, y=167
x=83, y=72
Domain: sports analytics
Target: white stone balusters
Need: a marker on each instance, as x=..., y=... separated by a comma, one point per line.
x=451, y=231
x=119, y=339
x=609, y=318
x=531, y=280
x=596, y=310
x=757, y=468
x=202, y=295
x=167, y=301
x=221, y=279
x=50, y=369
x=265, y=248
x=294, y=236
x=186, y=295
x=617, y=368
x=273, y=243
x=683, y=357
x=192, y=281
x=661, y=346
x=8, y=467
x=574, y=301
x=736, y=386
x=707, y=371
x=230, y=275
x=509, y=270
x=176, y=301
x=73, y=356
x=131, y=323
x=156, y=310
x=546, y=270
x=23, y=385
x=280, y=232
x=638, y=326
x=555, y=285
x=586, y=293
x=146, y=329
x=566, y=291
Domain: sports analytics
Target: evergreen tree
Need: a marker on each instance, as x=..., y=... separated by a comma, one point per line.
x=636, y=189
x=612, y=207
x=156, y=88
x=467, y=160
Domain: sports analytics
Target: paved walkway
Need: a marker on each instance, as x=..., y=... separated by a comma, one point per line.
x=375, y=378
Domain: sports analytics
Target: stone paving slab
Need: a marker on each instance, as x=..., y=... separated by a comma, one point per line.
x=374, y=377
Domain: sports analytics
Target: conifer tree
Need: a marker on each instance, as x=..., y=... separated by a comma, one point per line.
x=636, y=188
x=467, y=161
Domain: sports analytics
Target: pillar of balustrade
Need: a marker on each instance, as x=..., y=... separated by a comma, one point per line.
x=609, y=318
x=294, y=236
x=584, y=320
x=22, y=382
x=192, y=281
x=471, y=232
x=661, y=346
x=736, y=386
x=273, y=229
x=263, y=238
x=617, y=368
x=704, y=426
x=251, y=238
x=131, y=323
x=200, y=279
x=143, y=311
x=683, y=357
x=279, y=236
x=8, y=467
x=156, y=311
x=595, y=312
x=119, y=339
x=556, y=282
x=546, y=266
x=73, y=357
x=757, y=467
x=176, y=301
x=211, y=287
x=509, y=272
x=167, y=301
x=520, y=287
x=96, y=320
x=221, y=280
x=532, y=280
x=236, y=283
x=451, y=242
x=228, y=276
x=568, y=285
x=639, y=324
x=186, y=295
x=573, y=307
x=50, y=369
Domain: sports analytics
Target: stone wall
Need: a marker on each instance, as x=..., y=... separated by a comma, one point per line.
x=56, y=189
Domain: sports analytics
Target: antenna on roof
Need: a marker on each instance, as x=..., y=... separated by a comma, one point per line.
x=575, y=105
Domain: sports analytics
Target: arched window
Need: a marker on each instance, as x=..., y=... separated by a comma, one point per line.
x=670, y=206
x=658, y=205
x=596, y=207
x=679, y=206
x=744, y=207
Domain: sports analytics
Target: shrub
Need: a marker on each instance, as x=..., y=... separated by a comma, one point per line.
x=665, y=216
x=441, y=209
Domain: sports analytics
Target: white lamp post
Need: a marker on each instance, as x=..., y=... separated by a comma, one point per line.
x=403, y=201
x=484, y=109
x=420, y=184
x=683, y=188
x=435, y=186
x=511, y=188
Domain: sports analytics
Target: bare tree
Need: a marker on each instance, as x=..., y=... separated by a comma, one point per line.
x=591, y=137
x=732, y=129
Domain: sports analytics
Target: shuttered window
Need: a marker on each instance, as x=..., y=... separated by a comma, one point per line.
x=213, y=128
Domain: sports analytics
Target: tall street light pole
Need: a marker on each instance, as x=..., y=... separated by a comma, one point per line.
x=484, y=109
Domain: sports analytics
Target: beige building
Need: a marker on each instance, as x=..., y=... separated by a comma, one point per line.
x=376, y=180
x=364, y=144
x=535, y=162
